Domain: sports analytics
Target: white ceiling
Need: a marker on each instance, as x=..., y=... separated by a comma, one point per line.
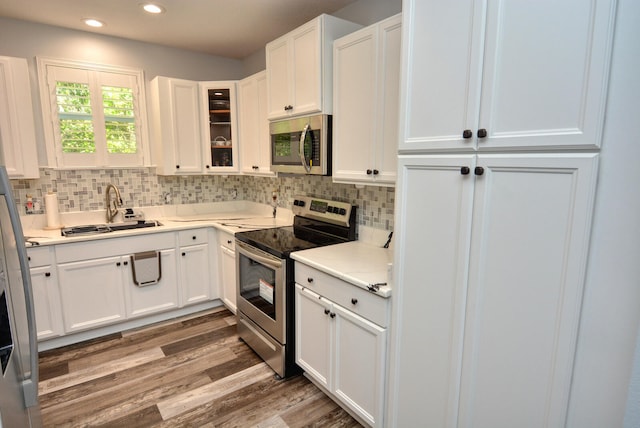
x=228, y=28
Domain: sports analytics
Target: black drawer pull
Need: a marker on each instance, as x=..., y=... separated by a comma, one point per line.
x=184, y=254
x=332, y=315
x=465, y=170
x=479, y=170
x=482, y=133
x=118, y=264
x=326, y=311
x=229, y=241
x=126, y=263
x=309, y=280
x=47, y=274
x=193, y=237
x=354, y=301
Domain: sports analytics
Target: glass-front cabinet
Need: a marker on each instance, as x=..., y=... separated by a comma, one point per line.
x=219, y=127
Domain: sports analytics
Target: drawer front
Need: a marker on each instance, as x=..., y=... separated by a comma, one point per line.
x=39, y=256
x=226, y=240
x=109, y=247
x=193, y=237
x=355, y=299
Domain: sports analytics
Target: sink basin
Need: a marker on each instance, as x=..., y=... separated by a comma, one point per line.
x=94, y=229
x=134, y=225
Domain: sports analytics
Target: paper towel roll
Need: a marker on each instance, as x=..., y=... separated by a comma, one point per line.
x=51, y=209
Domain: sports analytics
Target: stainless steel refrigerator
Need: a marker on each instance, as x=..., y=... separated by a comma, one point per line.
x=18, y=346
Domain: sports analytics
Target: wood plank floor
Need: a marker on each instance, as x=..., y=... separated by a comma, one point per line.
x=192, y=371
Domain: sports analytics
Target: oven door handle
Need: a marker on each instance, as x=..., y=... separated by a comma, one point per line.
x=303, y=136
x=275, y=263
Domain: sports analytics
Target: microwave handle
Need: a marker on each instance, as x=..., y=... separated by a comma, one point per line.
x=301, y=148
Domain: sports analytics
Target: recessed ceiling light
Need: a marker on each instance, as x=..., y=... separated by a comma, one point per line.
x=93, y=22
x=152, y=8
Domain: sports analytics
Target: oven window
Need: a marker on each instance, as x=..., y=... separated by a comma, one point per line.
x=258, y=285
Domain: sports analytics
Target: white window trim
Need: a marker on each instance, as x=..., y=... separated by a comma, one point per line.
x=54, y=153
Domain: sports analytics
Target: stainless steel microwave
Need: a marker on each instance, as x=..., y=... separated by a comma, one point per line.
x=301, y=145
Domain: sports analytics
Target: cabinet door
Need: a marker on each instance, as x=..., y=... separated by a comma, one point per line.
x=278, y=78
x=307, y=68
x=176, y=108
x=194, y=273
x=531, y=223
x=314, y=339
x=46, y=301
x=355, y=129
x=92, y=293
x=440, y=87
x=255, y=147
x=155, y=297
x=228, y=277
x=17, y=127
x=359, y=368
x=220, y=128
x=388, y=101
x=545, y=73
x=432, y=248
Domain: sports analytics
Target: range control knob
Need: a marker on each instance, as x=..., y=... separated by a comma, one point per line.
x=343, y=211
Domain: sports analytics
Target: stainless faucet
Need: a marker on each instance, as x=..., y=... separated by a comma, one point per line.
x=112, y=210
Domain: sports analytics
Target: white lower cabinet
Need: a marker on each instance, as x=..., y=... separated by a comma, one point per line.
x=487, y=309
x=194, y=266
x=46, y=298
x=342, y=351
x=152, y=298
x=92, y=293
x=227, y=270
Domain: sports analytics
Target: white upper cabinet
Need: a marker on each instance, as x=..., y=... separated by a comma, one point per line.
x=255, y=156
x=219, y=127
x=195, y=126
x=299, y=67
x=365, y=99
x=513, y=75
x=17, y=128
x=177, y=135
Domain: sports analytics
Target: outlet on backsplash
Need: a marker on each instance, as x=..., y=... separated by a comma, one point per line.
x=32, y=206
x=166, y=197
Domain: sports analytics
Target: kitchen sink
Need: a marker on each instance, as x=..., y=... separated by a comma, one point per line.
x=94, y=229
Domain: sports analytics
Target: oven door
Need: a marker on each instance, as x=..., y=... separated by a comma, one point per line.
x=261, y=288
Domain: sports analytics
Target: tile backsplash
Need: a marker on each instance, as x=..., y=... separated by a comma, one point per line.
x=83, y=190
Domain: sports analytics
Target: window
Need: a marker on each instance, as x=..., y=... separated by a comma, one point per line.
x=94, y=112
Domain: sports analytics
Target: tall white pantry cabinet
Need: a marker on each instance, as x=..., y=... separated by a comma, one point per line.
x=502, y=111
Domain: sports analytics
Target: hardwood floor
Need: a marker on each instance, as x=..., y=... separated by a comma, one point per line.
x=192, y=371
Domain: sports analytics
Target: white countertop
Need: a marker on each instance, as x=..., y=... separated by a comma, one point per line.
x=359, y=263
x=229, y=217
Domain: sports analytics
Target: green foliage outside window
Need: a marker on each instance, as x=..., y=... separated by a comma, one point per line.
x=76, y=118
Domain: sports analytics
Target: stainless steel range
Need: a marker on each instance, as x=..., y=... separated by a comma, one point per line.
x=265, y=275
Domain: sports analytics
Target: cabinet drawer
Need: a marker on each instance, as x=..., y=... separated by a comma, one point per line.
x=40, y=256
x=360, y=301
x=226, y=240
x=108, y=247
x=192, y=237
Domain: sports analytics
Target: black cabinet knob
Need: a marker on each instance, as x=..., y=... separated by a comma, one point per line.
x=479, y=170
x=482, y=133
x=369, y=172
x=126, y=263
x=465, y=170
x=332, y=315
x=354, y=301
x=229, y=241
x=326, y=311
x=177, y=166
x=467, y=133
x=47, y=274
x=376, y=172
x=309, y=280
x=193, y=237
x=118, y=264
x=207, y=166
x=184, y=254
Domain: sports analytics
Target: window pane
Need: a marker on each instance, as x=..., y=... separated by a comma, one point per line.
x=119, y=119
x=75, y=117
